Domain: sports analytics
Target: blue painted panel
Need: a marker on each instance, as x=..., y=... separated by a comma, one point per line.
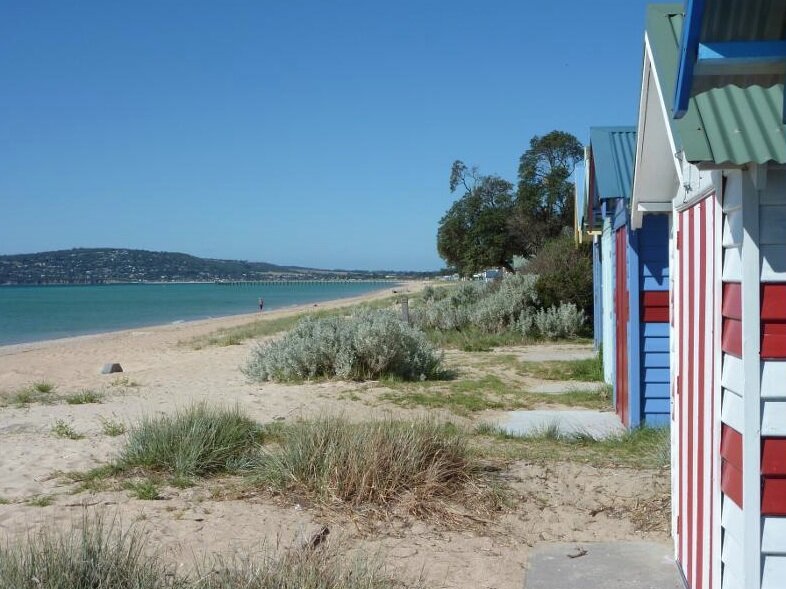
x=655, y=360
x=655, y=344
x=655, y=330
x=661, y=283
x=657, y=419
x=656, y=375
x=656, y=390
x=657, y=406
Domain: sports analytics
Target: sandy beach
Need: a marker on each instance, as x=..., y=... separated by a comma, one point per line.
x=572, y=503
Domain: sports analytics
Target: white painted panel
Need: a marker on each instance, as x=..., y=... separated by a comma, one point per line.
x=732, y=518
x=732, y=554
x=773, y=263
x=732, y=411
x=731, y=374
x=732, y=228
x=773, y=379
x=774, y=576
x=773, y=421
x=773, y=535
x=775, y=193
x=607, y=287
x=732, y=195
x=730, y=581
x=772, y=224
x=732, y=264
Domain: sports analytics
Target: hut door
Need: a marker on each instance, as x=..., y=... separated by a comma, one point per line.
x=694, y=299
x=622, y=309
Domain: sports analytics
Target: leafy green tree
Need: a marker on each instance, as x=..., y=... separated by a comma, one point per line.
x=564, y=273
x=474, y=234
x=545, y=193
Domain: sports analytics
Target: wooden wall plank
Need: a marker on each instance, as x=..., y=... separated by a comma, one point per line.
x=773, y=301
x=773, y=263
x=773, y=537
x=773, y=496
x=773, y=420
x=773, y=456
x=773, y=220
x=731, y=446
x=732, y=300
x=773, y=379
x=731, y=337
x=731, y=374
x=732, y=229
x=731, y=482
x=773, y=340
x=732, y=264
x=774, y=572
x=732, y=410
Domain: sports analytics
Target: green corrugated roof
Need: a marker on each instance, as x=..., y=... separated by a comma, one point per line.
x=614, y=154
x=723, y=126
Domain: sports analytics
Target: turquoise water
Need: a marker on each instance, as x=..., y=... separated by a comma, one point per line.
x=33, y=313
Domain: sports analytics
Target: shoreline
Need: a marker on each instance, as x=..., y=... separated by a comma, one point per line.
x=216, y=323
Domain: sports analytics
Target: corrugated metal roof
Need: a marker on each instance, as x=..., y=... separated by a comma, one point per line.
x=741, y=20
x=614, y=156
x=724, y=126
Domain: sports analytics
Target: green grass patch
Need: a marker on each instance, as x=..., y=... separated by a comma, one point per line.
x=111, y=427
x=93, y=480
x=197, y=441
x=489, y=392
x=587, y=370
x=40, y=392
x=124, y=382
x=145, y=489
x=41, y=501
x=62, y=429
x=475, y=340
x=639, y=448
x=83, y=397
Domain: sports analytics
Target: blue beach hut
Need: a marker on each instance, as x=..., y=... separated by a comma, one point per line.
x=633, y=285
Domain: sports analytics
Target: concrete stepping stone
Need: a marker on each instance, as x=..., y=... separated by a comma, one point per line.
x=597, y=424
x=610, y=565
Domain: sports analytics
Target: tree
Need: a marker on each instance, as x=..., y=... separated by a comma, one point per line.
x=474, y=234
x=545, y=193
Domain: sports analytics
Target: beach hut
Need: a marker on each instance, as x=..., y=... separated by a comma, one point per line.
x=634, y=281
x=711, y=149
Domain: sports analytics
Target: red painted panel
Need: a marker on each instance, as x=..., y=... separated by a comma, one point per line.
x=731, y=337
x=655, y=298
x=773, y=456
x=773, y=340
x=732, y=300
x=731, y=446
x=773, y=496
x=621, y=308
x=731, y=482
x=655, y=315
x=773, y=302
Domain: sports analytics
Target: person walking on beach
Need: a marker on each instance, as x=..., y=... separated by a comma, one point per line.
x=261, y=304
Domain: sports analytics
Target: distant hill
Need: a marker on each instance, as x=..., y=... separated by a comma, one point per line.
x=108, y=265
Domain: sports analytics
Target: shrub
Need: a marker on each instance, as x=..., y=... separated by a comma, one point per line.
x=564, y=274
x=365, y=346
x=560, y=322
x=505, y=302
x=197, y=441
x=375, y=462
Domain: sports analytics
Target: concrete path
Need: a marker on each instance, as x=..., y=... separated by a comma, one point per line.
x=606, y=565
x=583, y=421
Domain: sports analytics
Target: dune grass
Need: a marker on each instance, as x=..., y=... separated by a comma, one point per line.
x=112, y=427
x=83, y=397
x=196, y=441
x=42, y=392
x=371, y=463
x=63, y=429
x=99, y=554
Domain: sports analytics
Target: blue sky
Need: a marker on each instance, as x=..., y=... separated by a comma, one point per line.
x=311, y=133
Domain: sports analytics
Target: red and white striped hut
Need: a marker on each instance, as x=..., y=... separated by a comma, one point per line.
x=711, y=149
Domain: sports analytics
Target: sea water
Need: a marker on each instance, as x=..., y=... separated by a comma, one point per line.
x=33, y=313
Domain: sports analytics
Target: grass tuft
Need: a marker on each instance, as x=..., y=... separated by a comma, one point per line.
x=197, y=441
x=98, y=554
x=111, y=427
x=83, y=397
x=370, y=463
x=587, y=370
x=41, y=501
x=145, y=489
x=65, y=430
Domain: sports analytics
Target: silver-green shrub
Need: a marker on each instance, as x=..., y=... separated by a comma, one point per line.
x=503, y=305
x=365, y=346
x=560, y=322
